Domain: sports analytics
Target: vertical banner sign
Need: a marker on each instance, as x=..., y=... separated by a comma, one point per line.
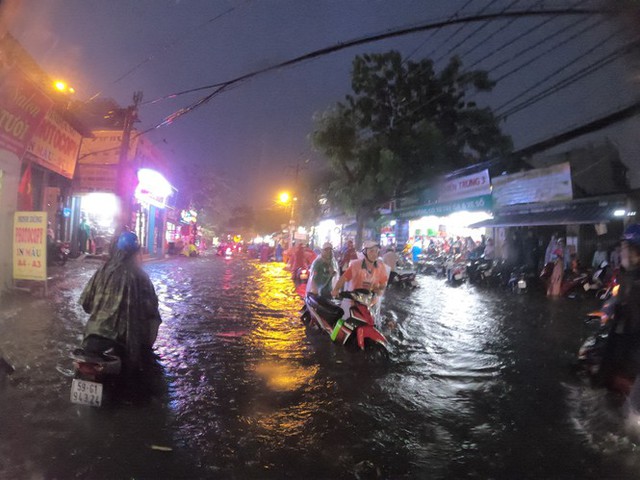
x=30, y=246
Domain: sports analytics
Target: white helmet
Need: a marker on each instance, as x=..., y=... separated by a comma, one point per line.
x=370, y=244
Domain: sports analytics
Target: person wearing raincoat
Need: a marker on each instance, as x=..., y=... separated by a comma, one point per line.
x=323, y=272
x=122, y=303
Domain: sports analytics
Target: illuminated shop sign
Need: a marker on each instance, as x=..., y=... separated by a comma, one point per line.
x=189, y=216
x=152, y=188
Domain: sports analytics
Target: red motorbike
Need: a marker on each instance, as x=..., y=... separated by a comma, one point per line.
x=354, y=329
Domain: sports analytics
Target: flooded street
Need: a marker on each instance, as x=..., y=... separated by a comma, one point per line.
x=479, y=385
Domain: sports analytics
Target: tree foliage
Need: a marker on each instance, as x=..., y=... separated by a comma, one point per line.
x=404, y=124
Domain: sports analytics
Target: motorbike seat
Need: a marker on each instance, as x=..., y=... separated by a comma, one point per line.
x=325, y=307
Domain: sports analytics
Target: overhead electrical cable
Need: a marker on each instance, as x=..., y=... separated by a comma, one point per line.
x=474, y=32
x=518, y=55
x=172, y=44
x=557, y=71
x=520, y=36
x=545, y=52
x=434, y=32
x=391, y=34
x=588, y=70
x=483, y=42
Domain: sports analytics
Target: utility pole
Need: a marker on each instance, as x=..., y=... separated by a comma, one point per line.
x=125, y=177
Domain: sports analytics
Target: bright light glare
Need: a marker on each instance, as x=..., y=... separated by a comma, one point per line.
x=153, y=182
x=102, y=207
x=61, y=86
x=284, y=197
x=619, y=213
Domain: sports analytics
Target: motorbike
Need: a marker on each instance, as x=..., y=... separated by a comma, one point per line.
x=480, y=270
x=58, y=253
x=521, y=279
x=456, y=270
x=98, y=366
x=355, y=329
x=403, y=279
x=431, y=264
x=404, y=276
x=300, y=275
x=591, y=352
x=574, y=284
x=104, y=377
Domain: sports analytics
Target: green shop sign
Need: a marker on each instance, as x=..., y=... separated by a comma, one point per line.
x=471, y=204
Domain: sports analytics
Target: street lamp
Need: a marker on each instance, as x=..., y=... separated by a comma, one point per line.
x=62, y=87
x=286, y=199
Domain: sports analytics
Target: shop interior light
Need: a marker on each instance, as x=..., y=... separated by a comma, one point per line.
x=619, y=213
x=101, y=207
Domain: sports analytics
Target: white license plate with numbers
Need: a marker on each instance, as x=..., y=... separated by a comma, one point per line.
x=84, y=392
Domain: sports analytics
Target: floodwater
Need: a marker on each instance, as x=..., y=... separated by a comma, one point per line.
x=479, y=385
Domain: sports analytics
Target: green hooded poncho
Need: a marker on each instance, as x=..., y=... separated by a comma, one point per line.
x=123, y=306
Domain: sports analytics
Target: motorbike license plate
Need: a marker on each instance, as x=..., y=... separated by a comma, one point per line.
x=458, y=276
x=84, y=392
x=522, y=284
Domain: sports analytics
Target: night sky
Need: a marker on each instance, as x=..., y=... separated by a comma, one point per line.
x=255, y=133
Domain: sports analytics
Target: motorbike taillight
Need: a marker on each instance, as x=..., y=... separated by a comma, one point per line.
x=89, y=368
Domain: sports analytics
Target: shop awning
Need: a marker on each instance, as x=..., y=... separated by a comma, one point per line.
x=569, y=213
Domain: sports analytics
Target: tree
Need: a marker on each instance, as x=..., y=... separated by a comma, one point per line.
x=403, y=125
x=210, y=195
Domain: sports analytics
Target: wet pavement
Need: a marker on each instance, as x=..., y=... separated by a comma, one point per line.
x=479, y=385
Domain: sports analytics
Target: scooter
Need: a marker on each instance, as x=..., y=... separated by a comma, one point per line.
x=355, y=329
x=404, y=276
x=593, y=349
x=403, y=279
x=300, y=275
x=97, y=365
x=58, y=253
x=456, y=270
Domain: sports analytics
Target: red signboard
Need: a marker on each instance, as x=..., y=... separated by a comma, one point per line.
x=23, y=107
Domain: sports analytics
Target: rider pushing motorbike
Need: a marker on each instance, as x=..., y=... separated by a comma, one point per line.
x=370, y=272
x=324, y=271
x=622, y=354
x=122, y=303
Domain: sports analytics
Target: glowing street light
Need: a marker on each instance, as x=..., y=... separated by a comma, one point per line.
x=62, y=87
x=284, y=197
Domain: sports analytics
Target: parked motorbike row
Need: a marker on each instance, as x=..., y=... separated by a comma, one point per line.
x=497, y=273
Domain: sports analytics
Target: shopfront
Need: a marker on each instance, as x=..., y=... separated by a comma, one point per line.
x=151, y=194
x=450, y=209
x=540, y=203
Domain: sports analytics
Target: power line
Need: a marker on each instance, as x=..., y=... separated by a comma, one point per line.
x=461, y=27
x=434, y=32
x=497, y=31
x=558, y=71
x=479, y=28
x=167, y=46
x=545, y=52
x=593, y=67
x=519, y=37
x=390, y=34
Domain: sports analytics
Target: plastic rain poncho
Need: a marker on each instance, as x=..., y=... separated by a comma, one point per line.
x=123, y=306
